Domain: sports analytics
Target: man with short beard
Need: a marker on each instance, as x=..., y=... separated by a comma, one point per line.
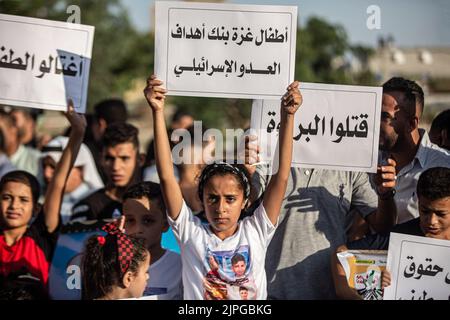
x=402, y=140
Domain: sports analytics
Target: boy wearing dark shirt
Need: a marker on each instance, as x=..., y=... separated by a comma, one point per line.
x=122, y=164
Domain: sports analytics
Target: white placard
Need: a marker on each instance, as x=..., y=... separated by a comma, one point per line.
x=419, y=267
x=337, y=127
x=225, y=50
x=43, y=63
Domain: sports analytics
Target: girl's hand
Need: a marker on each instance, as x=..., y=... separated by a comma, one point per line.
x=77, y=120
x=385, y=279
x=292, y=99
x=251, y=155
x=155, y=94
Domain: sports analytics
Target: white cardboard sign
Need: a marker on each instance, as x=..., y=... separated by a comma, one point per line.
x=43, y=63
x=225, y=50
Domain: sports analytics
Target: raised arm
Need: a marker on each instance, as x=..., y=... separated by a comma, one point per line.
x=274, y=194
x=56, y=187
x=173, y=198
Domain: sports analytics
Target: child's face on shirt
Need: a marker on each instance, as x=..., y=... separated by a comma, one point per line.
x=435, y=217
x=16, y=205
x=223, y=200
x=244, y=294
x=139, y=283
x=239, y=268
x=144, y=220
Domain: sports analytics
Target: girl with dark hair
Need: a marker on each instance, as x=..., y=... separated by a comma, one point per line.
x=114, y=266
x=27, y=245
x=224, y=190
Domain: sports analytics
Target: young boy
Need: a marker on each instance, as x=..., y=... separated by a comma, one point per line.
x=243, y=292
x=238, y=265
x=433, y=192
x=145, y=218
x=24, y=248
x=122, y=166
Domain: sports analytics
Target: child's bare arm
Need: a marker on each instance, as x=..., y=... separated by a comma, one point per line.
x=56, y=187
x=274, y=194
x=343, y=290
x=173, y=198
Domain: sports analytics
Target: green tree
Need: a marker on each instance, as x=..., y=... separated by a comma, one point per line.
x=318, y=44
x=364, y=76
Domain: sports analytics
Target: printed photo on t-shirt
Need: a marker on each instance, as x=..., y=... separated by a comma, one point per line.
x=229, y=275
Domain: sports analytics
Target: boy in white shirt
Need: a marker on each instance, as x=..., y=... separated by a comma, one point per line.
x=145, y=218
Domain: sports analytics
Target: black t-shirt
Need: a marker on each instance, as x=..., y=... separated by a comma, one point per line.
x=381, y=241
x=32, y=254
x=96, y=206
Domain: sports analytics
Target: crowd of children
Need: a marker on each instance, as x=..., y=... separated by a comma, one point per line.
x=226, y=218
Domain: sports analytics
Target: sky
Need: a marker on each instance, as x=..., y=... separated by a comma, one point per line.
x=412, y=23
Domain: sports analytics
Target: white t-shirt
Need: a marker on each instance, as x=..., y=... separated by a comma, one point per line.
x=210, y=264
x=165, y=278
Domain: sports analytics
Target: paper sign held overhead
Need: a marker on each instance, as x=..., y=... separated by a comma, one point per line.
x=337, y=127
x=43, y=63
x=225, y=50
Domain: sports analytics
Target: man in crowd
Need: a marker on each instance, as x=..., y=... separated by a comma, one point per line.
x=122, y=165
x=26, y=121
x=403, y=140
x=21, y=156
x=440, y=130
x=106, y=113
x=83, y=178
